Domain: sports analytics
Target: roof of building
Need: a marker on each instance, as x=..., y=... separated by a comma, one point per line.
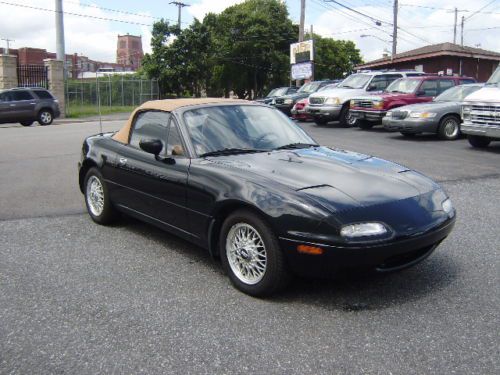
x=168, y=105
x=442, y=49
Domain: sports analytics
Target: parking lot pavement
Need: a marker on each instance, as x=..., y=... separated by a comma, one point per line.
x=76, y=297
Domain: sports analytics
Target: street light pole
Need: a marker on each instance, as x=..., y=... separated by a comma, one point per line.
x=60, y=32
x=395, y=29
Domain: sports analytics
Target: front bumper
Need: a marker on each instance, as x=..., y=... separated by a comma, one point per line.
x=372, y=116
x=331, y=111
x=410, y=125
x=386, y=256
x=490, y=131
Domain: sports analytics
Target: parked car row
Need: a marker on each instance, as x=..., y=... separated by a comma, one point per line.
x=406, y=101
x=27, y=105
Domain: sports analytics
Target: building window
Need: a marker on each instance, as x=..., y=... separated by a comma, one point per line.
x=123, y=44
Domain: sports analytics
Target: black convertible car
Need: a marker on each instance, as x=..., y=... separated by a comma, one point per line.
x=248, y=184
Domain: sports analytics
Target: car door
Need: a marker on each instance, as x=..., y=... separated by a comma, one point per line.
x=22, y=106
x=154, y=187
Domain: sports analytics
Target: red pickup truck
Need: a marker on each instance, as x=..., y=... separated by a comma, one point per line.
x=369, y=110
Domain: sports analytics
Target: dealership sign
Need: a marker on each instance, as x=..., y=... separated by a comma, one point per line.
x=301, y=52
x=302, y=70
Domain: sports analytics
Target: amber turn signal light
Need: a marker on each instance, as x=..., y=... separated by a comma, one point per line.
x=311, y=250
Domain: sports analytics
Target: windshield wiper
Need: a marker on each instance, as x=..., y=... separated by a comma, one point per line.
x=231, y=151
x=292, y=146
x=347, y=86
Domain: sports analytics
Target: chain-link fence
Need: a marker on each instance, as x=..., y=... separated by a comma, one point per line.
x=115, y=93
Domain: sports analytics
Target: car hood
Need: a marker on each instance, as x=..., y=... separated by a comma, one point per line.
x=337, y=179
x=430, y=106
x=296, y=96
x=489, y=94
x=343, y=94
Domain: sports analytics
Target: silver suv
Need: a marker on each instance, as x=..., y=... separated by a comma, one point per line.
x=331, y=105
x=27, y=105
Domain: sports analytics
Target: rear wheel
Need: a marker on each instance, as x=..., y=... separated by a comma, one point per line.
x=26, y=123
x=478, y=142
x=97, y=199
x=45, y=117
x=449, y=128
x=251, y=255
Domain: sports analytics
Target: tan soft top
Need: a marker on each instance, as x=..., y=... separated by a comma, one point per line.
x=167, y=105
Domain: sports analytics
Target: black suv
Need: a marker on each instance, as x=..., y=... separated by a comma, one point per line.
x=26, y=105
x=285, y=103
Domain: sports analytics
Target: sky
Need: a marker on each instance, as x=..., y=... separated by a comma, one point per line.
x=91, y=26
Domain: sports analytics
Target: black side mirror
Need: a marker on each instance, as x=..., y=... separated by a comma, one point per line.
x=421, y=93
x=153, y=146
x=371, y=88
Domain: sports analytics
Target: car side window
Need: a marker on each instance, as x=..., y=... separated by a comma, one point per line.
x=445, y=84
x=150, y=125
x=430, y=88
x=174, y=141
x=42, y=94
x=391, y=78
x=466, y=81
x=21, y=95
x=378, y=83
x=4, y=97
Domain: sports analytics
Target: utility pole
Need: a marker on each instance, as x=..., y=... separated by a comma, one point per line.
x=462, y=32
x=395, y=29
x=180, y=5
x=61, y=55
x=7, y=41
x=455, y=27
x=302, y=19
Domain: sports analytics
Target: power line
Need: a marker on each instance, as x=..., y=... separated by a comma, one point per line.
x=476, y=12
x=439, y=8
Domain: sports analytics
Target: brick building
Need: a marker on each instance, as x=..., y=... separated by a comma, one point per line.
x=129, y=50
x=448, y=58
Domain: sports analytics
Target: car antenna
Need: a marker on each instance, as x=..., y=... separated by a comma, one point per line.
x=98, y=91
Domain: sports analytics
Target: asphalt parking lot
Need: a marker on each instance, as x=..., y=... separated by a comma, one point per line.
x=76, y=297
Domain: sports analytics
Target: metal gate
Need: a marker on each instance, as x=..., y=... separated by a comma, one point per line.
x=32, y=76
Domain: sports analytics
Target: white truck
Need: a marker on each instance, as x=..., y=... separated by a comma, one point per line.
x=481, y=113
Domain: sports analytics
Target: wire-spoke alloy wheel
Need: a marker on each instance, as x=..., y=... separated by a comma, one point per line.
x=95, y=196
x=99, y=206
x=246, y=253
x=45, y=117
x=251, y=255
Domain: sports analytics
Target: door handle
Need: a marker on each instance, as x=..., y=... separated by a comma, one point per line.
x=122, y=161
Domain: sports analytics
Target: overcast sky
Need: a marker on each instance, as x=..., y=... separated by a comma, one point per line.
x=95, y=34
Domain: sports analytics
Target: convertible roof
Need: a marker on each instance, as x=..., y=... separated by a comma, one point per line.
x=168, y=105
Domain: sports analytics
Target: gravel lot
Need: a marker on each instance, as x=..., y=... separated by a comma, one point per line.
x=76, y=297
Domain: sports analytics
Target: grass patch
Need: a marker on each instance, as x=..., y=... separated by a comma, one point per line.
x=78, y=111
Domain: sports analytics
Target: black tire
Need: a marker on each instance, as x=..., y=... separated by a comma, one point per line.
x=26, y=123
x=275, y=276
x=108, y=213
x=320, y=121
x=478, y=142
x=408, y=135
x=449, y=128
x=365, y=125
x=45, y=117
x=345, y=119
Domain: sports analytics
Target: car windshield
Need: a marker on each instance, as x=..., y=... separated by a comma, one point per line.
x=403, y=85
x=242, y=128
x=280, y=92
x=271, y=93
x=309, y=87
x=328, y=87
x=355, y=81
x=495, y=78
x=457, y=94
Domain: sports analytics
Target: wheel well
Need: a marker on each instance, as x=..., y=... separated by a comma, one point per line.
x=86, y=165
x=45, y=109
x=456, y=115
x=219, y=218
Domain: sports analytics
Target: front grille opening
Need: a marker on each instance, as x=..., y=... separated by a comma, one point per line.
x=405, y=260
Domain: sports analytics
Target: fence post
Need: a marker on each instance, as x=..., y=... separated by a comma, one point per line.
x=123, y=102
x=8, y=71
x=55, y=75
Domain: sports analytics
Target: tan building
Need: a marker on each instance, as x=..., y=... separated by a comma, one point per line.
x=129, y=51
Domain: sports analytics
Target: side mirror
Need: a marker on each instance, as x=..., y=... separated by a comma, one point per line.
x=371, y=88
x=421, y=93
x=152, y=146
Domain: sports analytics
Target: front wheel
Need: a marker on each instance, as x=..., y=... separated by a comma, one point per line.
x=478, y=142
x=45, y=117
x=346, y=120
x=97, y=199
x=251, y=255
x=449, y=128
